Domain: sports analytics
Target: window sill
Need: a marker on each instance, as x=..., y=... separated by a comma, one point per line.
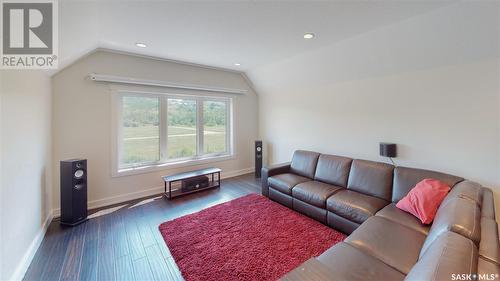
x=170, y=165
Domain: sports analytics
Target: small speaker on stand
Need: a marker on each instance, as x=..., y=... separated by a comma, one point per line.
x=73, y=191
x=388, y=150
x=258, y=158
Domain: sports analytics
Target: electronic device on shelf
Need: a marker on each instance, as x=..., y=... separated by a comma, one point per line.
x=194, y=183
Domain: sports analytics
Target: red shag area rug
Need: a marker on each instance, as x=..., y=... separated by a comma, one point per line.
x=249, y=238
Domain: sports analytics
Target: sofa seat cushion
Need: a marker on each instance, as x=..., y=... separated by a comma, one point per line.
x=353, y=205
x=350, y=263
x=391, y=212
x=394, y=244
x=285, y=182
x=314, y=192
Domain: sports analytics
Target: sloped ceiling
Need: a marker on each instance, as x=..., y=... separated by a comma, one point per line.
x=462, y=33
x=222, y=33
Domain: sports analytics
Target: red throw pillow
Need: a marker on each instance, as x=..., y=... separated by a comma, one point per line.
x=424, y=199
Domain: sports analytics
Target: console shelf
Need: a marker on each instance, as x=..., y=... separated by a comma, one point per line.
x=214, y=181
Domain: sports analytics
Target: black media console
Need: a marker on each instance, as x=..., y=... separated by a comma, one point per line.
x=192, y=181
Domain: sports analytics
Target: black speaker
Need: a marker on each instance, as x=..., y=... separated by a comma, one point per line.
x=73, y=191
x=388, y=149
x=258, y=158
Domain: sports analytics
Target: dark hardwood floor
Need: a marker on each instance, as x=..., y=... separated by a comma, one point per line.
x=125, y=244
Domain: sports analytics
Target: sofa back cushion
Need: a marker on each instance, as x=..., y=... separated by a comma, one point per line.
x=458, y=215
x=304, y=163
x=371, y=178
x=468, y=190
x=488, y=206
x=450, y=253
x=489, y=247
x=486, y=267
x=406, y=178
x=333, y=169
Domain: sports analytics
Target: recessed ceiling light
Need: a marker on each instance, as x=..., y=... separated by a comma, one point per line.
x=309, y=36
x=237, y=64
x=141, y=45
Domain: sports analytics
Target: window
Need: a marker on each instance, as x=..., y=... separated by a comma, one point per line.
x=182, y=129
x=161, y=129
x=214, y=126
x=141, y=130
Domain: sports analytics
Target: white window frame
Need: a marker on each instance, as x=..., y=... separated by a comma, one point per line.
x=164, y=162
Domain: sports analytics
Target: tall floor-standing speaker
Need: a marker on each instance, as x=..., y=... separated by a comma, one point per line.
x=258, y=158
x=73, y=191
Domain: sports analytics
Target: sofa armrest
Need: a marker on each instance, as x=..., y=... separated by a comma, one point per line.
x=272, y=170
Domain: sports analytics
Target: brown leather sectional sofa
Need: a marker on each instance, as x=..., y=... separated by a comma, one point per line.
x=358, y=197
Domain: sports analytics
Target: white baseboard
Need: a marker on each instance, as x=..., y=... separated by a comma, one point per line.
x=144, y=193
x=25, y=262
x=116, y=199
x=225, y=175
x=35, y=244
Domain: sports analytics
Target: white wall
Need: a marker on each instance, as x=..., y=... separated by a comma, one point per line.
x=82, y=121
x=429, y=84
x=25, y=190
